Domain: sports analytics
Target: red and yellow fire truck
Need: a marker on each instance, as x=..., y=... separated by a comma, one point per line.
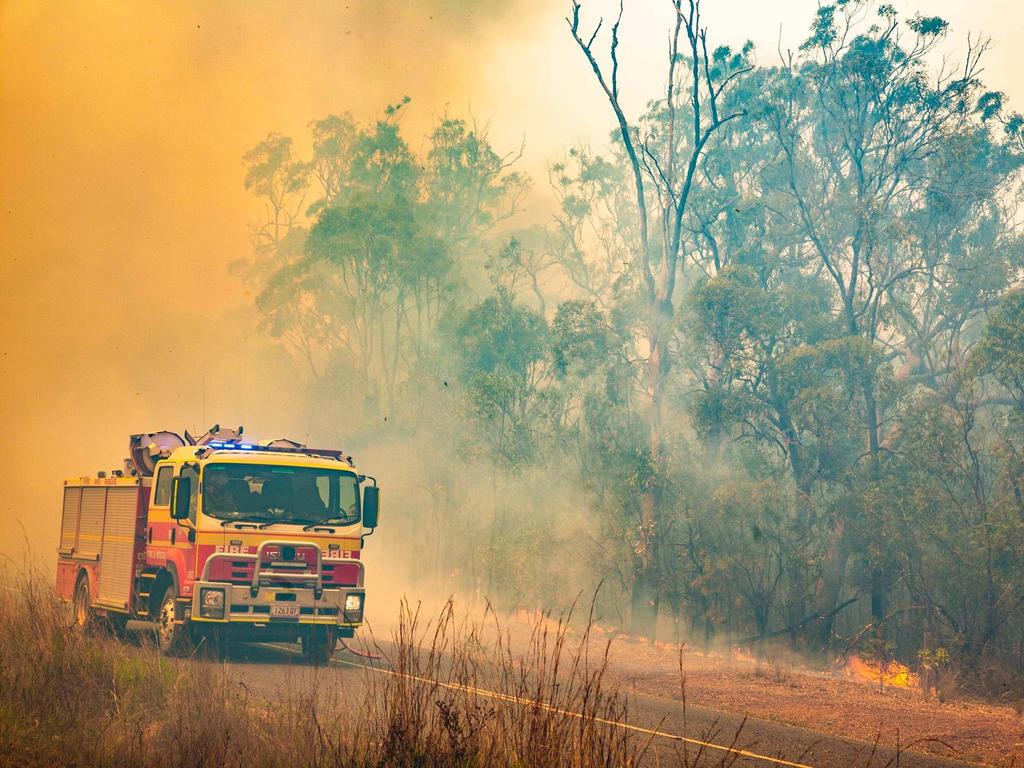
x=218, y=538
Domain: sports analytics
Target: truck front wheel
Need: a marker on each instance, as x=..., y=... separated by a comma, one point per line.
x=171, y=632
x=318, y=645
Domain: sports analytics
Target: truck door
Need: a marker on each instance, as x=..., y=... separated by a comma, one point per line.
x=169, y=544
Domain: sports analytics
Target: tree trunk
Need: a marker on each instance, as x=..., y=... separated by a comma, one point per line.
x=492, y=543
x=647, y=587
x=878, y=569
x=644, y=603
x=829, y=587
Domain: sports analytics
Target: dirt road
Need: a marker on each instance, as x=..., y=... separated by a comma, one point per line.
x=267, y=670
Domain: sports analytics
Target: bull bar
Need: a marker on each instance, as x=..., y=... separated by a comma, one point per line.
x=305, y=591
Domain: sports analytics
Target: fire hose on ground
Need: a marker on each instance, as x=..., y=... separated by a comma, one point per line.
x=360, y=654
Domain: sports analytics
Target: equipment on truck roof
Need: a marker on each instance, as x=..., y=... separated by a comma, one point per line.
x=148, y=448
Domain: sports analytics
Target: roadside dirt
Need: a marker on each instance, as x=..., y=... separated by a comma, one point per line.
x=827, y=702
x=788, y=691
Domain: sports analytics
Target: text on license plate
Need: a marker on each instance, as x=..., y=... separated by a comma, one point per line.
x=286, y=611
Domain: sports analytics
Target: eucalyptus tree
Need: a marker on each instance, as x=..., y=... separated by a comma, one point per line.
x=858, y=118
x=357, y=280
x=333, y=139
x=280, y=179
x=469, y=187
x=970, y=246
x=955, y=512
x=504, y=368
x=663, y=169
x=1000, y=352
x=594, y=225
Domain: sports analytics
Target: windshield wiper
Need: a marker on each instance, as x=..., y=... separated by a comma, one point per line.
x=257, y=521
x=322, y=522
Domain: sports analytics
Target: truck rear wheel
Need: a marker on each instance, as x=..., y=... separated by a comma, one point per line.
x=318, y=646
x=84, y=617
x=171, y=632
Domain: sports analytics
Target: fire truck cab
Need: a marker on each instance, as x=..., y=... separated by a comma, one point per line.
x=218, y=539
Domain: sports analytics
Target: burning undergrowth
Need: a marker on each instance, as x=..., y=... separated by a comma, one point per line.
x=881, y=673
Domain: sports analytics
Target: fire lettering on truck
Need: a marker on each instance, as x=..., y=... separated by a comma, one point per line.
x=335, y=554
x=234, y=549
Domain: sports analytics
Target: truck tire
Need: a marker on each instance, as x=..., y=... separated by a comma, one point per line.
x=318, y=646
x=117, y=625
x=81, y=602
x=172, y=634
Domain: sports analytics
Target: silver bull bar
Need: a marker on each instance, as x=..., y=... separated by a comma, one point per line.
x=306, y=578
x=311, y=598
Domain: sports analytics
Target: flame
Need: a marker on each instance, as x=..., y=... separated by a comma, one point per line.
x=743, y=654
x=893, y=673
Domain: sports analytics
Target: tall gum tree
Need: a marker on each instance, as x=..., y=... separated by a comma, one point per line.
x=664, y=163
x=858, y=117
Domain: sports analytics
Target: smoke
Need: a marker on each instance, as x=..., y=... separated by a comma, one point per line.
x=121, y=134
x=122, y=126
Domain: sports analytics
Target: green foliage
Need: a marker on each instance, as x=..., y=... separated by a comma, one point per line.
x=497, y=334
x=1000, y=352
x=273, y=168
x=933, y=659
x=804, y=430
x=582, y=338
x=502, y=349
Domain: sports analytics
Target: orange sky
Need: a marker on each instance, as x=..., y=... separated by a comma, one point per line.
x=122, y=125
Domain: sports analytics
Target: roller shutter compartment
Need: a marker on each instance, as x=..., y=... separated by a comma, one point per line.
x=90, y=523
x=118, y=546
x=69, y=519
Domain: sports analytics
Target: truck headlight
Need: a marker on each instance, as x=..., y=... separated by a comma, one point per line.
x=354, y=606
x=211, y=603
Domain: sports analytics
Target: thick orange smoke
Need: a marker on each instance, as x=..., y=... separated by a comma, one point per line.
x=122, y=126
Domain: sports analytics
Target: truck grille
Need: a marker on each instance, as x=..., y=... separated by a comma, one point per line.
x=241, y=571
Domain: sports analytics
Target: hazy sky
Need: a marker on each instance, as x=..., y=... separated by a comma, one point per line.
x=122, y=126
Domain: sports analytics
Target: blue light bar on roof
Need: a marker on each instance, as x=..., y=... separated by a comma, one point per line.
x=236, y=445
x=231, y=444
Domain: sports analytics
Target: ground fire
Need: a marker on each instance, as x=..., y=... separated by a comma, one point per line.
x=891, y=673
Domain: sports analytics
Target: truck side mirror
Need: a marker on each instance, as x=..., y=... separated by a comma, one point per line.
x=181, y=498
x=371, y=506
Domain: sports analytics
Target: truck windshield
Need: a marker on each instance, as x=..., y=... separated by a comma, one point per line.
x=280, y=494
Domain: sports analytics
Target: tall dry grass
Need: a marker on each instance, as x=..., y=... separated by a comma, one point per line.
x=89, y=699
x=463, y=692
x=462, y=697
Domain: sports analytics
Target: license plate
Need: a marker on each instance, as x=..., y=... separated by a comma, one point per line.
x=284, y=611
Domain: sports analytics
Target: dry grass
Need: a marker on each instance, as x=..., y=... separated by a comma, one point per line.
x=68, y=698
x=87, y=699
x=553, y=707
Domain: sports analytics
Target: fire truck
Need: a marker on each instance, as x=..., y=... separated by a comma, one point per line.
x=218, y=539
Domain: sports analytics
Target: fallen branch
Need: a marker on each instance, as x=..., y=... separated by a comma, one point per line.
x=800, y=624
x=876, y=624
